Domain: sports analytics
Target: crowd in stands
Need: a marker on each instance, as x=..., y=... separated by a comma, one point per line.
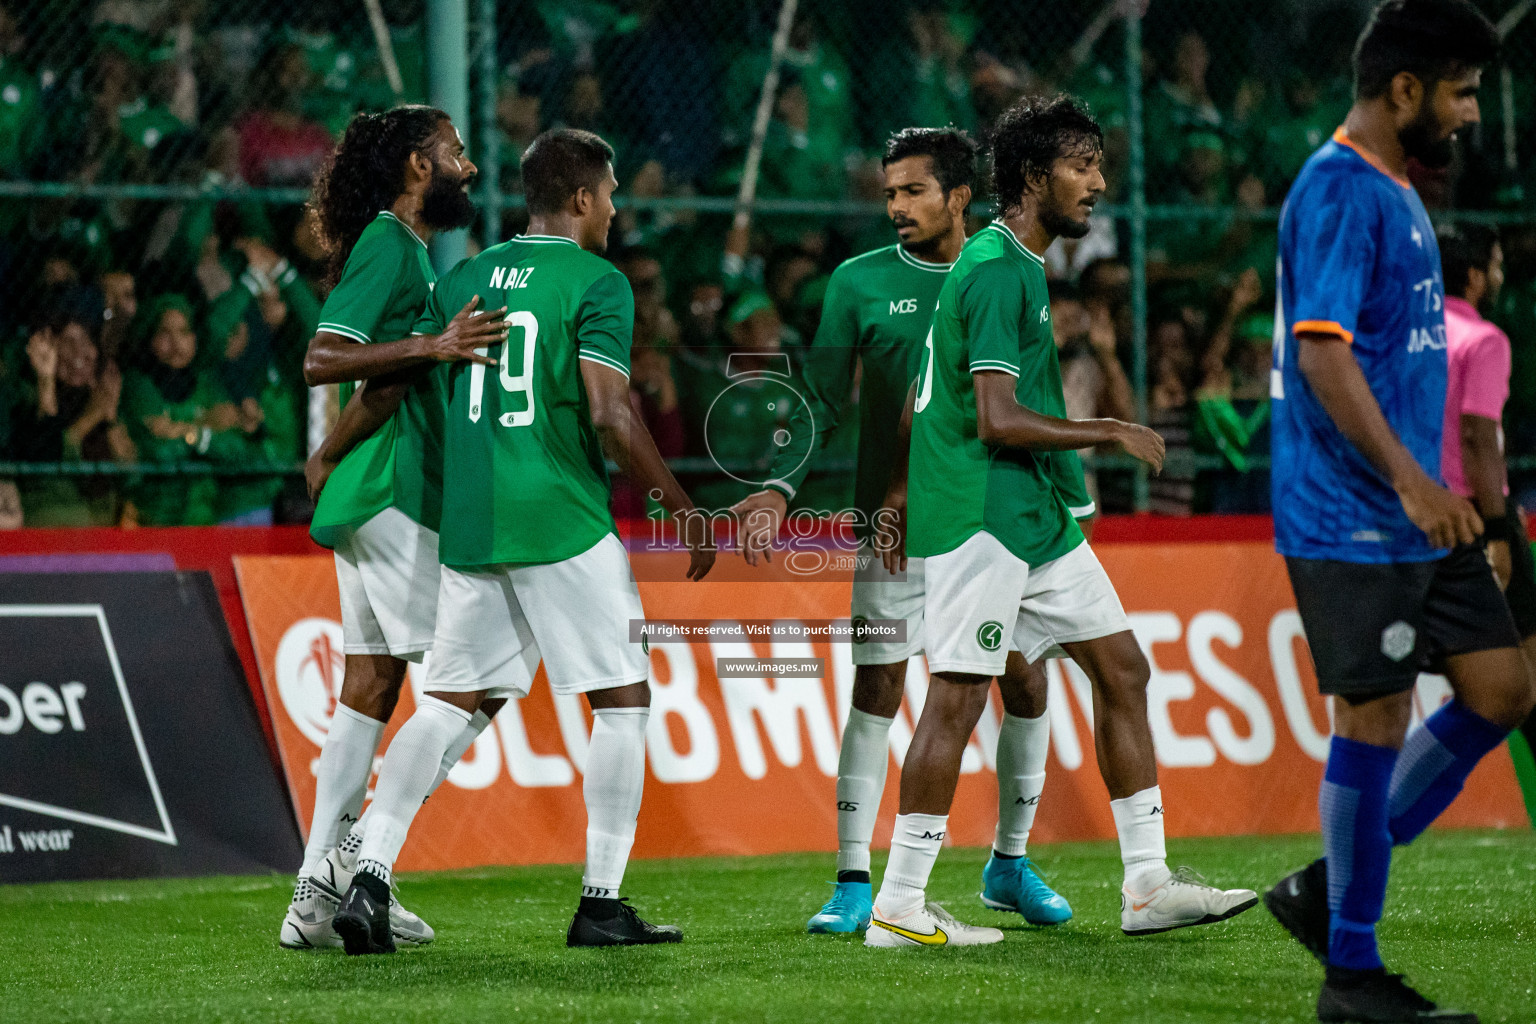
x=141, y=331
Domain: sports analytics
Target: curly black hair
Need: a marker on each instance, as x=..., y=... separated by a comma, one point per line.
x=1430, y=39
x=952, y=152
x=366, y=174
x=1030, y=136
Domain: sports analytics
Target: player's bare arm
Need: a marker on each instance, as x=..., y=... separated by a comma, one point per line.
x=1335, y=377
x=892, y=515
x=370, y=407
x=332, y=358
x=1001, y=420
x=1482, y=463
x=628, y=443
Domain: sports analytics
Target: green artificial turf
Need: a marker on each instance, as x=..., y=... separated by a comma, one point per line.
x=1461, y=922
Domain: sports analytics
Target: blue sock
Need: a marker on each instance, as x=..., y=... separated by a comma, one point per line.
x=1353, y=809
x=1437, y=757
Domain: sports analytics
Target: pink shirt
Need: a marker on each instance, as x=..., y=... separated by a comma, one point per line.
x=1477, y=384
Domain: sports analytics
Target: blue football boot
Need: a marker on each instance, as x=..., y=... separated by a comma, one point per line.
x=847, y=911
x=1013, y=885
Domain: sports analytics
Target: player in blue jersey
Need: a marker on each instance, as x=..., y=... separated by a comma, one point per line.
x=1388, y=566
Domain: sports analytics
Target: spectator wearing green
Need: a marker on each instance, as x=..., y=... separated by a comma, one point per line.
x=1179, y=106
x=178, y=413
x=263, y=325
x=20, y=123
x=822, y=74
x=66, y=412
x=1304, y=121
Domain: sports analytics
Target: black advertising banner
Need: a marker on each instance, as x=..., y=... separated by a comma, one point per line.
x=129, y=743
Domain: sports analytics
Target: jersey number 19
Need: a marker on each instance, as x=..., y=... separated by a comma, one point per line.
x=521, y=383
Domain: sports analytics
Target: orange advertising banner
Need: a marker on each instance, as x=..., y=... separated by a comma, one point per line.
x=749, y=765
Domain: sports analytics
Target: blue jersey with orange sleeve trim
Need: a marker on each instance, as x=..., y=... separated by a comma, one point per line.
x=1358, y=260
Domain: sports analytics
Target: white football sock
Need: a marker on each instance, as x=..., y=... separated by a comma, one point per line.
x=341, y=781
x=1022, y=745
x=466, y=739
x=1139, y=821
x=461, y=744
x=612, y=788
x=410, y=765
x=914, y=847
x=861, y=767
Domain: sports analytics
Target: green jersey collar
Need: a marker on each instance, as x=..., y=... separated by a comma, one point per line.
x=936, y=268
x=547, y=239
x=397, y=220
x=999, y=225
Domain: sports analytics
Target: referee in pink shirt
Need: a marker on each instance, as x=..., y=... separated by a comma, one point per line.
x=1472, y=448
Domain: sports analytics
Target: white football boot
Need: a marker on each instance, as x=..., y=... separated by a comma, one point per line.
x=928, y=924
x=1182, y=900
x=333, y=877
x=307, y=925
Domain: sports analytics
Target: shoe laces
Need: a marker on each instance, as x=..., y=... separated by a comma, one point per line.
x=843, y=901
x=1031, y=874
x=938, y=913
x=1186, y=875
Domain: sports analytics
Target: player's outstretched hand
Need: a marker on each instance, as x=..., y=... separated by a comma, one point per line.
x=701, y=549
x=465, y=333
x=1447, y=518
x=891, y=531
x=1143, y=443
x=759, y=514
x=317, y=470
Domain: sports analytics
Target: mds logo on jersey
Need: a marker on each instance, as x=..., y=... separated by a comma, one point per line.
x=903, y=306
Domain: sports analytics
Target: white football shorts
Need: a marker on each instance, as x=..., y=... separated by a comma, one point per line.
x=494, y=626
x=387, y=573
x=982, y=600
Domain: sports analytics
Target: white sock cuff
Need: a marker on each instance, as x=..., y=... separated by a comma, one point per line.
x=621, y=712
x=863, y=720
x=1023, y=744
x=1040, y=721
x=466, y=738
x=430, y=705
x=342, y=711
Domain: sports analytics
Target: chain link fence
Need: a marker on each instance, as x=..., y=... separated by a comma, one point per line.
x=155, y=157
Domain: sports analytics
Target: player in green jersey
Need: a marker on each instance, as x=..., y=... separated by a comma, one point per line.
x=395, y=180
x=877, y=310
x=1006, y=564
x=533, y=568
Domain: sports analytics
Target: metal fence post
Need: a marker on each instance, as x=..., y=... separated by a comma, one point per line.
x=1138, y=203
x=488, y=145
x=448, y=90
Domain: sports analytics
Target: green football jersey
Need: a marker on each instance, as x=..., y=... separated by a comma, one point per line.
x=381, y=293
x=993, y=313
x=524, y=480
x=877, y=309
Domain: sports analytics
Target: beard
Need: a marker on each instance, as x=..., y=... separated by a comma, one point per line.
x=1062, y=226
x=446, y=206
x=922, y=246
x=1420, y=140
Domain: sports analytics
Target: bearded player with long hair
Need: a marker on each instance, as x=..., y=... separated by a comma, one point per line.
x=396, y=179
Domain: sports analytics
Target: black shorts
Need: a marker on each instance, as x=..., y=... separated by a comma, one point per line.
x=1373, y=628
x=1521, y=592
